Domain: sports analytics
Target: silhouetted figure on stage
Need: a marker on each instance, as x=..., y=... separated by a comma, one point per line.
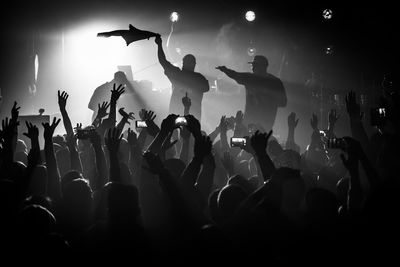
x=183, y=81
x=264, y=92
x=103, y=92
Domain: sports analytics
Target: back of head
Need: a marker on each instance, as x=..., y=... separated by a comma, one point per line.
x=123, y=151
x=21, y=156
x=259, y=64
x=38, y=185
x=77, y=193
x=69, y=177
x=229, y=200
x=123, y=202
x=120, y=77
x=189, y=62
x=59, y=139
x=21, y=146
x=36, y=220
x=16, y=172
x=242, y=182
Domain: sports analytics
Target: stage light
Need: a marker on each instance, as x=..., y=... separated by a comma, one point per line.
x=174, y=17
x=327, y=14
x=36, y=67
x=251, y=51
x=329, y=50
x=250, y=15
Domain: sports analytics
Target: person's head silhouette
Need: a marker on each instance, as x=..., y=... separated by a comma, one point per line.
x=189, y=62
x=120, y=77
x=259, y=64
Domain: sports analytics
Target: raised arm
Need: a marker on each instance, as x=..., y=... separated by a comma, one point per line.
x=125, y=119
x=112, y=142
x=259, y=142
x=53, y=174
x=239, y=77
x=73, y=152
x=101, y=165
x=333, y=117
x=62, y=102
x=167, y=126
x=292, y=123
x=161, y=55
x=356, y=125
x=101, y=113
x=115, y=94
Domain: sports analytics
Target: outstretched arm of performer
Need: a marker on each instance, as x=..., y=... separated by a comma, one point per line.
x=239, y=77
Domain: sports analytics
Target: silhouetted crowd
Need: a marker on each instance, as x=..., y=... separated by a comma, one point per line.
x=172, y=193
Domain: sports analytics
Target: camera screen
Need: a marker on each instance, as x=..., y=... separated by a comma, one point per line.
x=238, y=142
x=141, y=124
x=180, y=121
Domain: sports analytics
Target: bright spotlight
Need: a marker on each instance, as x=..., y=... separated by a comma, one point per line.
x=250, y=15
x=327, y=14
x=329, y=50
x=174, y=16
x=251, y=51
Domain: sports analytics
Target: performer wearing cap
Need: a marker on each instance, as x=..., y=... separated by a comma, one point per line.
x=264, y=92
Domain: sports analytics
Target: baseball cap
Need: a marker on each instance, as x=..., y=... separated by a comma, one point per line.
x=259, y=60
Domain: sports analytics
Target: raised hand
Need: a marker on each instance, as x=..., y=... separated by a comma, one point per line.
x=117, y=92
x=149, y=116
x=353, y=108
x=15, y=112
x=132, y=138
x=223, y=125
x=49, y=128
x=113, y=140
x=62, y=99
x=33, y=131
x=78, y=127
x=202, y=147
x=158, y=39
x=126, y=115
x=193, y=125
x=259, y=142
x=292, y=122
x=222, y=68
x=314, y=122
x=239, y=117
x=333, y=117
x=8, y=128
x=186, y=101
x=168, y=124
x=102, y=110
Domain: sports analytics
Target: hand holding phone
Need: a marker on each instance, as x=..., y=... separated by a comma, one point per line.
x=181, y=121
x=141, y=124
x=238, y=142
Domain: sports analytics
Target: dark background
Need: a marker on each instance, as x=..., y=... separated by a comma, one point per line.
x=362, y=35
